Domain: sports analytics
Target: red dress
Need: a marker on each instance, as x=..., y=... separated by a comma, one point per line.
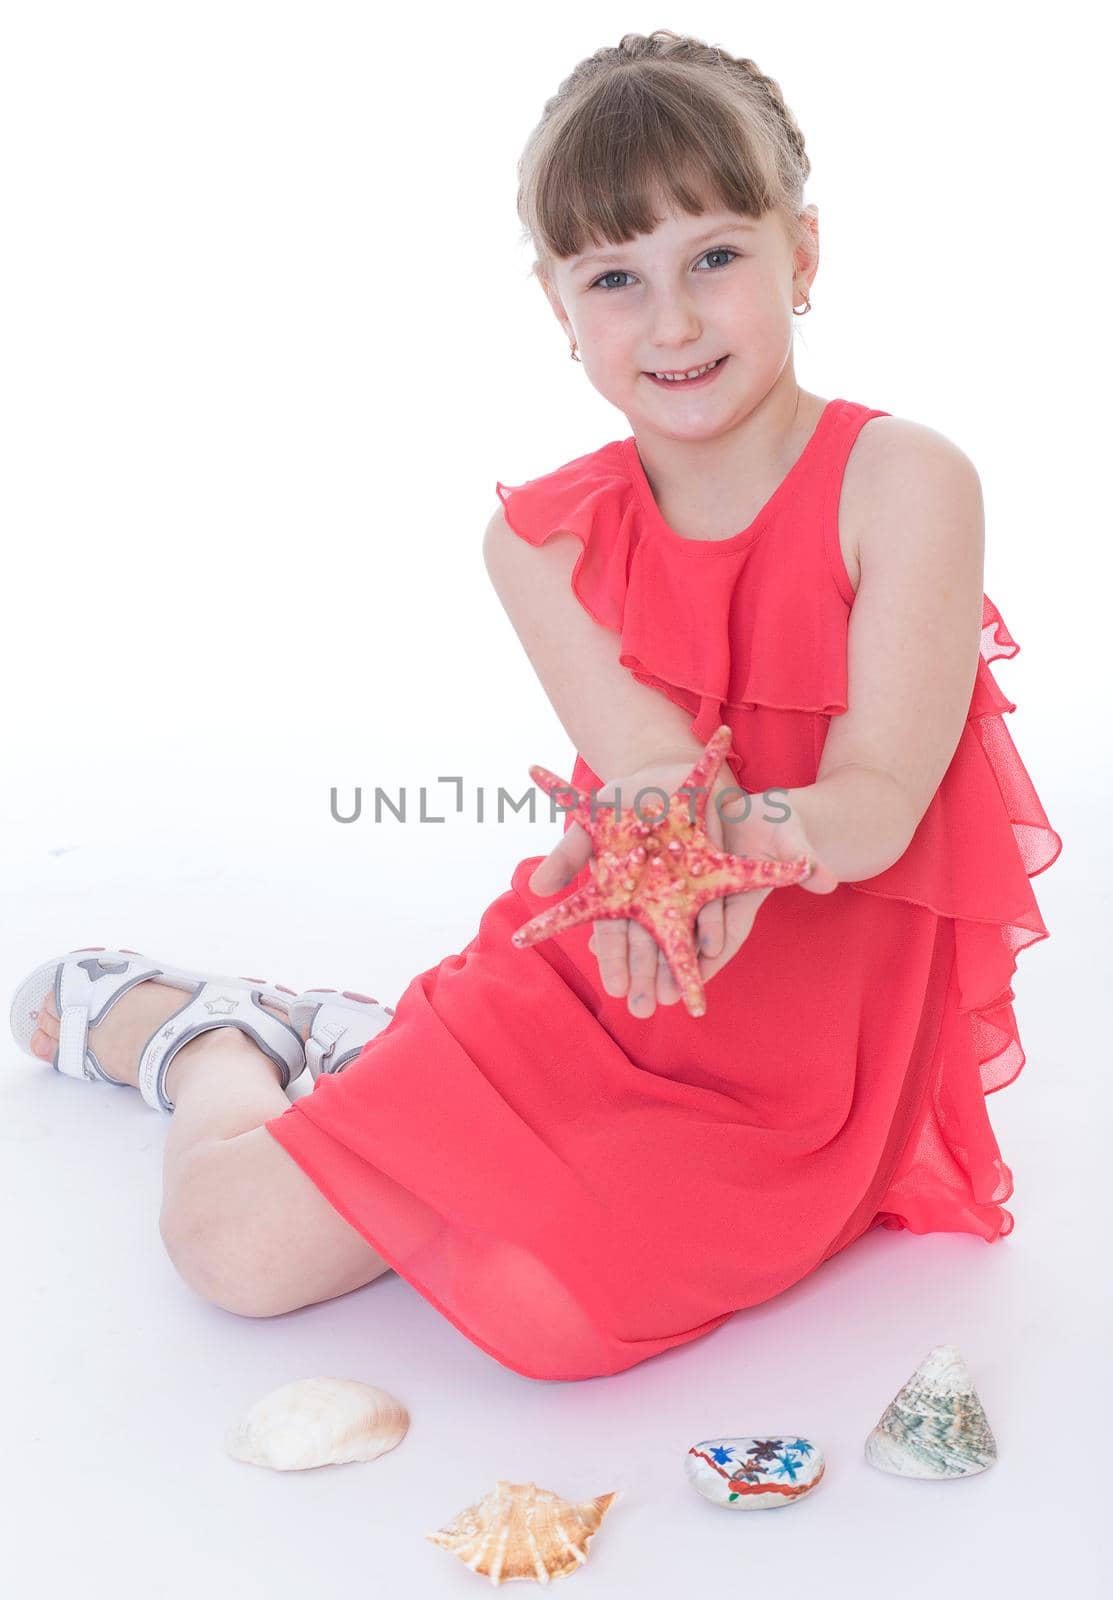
x=577, y=1189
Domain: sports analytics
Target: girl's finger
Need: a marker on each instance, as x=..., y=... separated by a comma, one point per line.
x=668, y=992
x=611, y=940
x=820, y=880
x=709, y=928
x=643, y=950
x=739, y=911
x=562, y=863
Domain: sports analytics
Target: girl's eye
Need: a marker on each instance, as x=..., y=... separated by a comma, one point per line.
x=721, y=250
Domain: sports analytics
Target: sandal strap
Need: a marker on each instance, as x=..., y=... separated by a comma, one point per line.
x=72, y=1050
x=322, y=1041
x=333, y=1020
x=83, y=992
x=217, y=1005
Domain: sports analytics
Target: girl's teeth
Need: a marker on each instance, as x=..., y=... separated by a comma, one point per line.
x=696, y=372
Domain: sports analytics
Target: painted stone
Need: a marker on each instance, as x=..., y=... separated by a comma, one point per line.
x=935, y=1426
x=751, y=1474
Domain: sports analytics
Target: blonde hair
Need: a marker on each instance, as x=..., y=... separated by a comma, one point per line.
x=659, y=115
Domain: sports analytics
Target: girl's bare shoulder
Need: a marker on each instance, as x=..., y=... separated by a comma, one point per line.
x=892, y=459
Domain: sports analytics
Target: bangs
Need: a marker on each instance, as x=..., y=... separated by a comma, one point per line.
x=640, y=145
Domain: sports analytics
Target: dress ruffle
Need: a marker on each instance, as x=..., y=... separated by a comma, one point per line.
x=983, y=837
x=627, y=575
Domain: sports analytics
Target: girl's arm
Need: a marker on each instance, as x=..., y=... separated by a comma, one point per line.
x=621, y=728
x=914, y=642
x=617, y=724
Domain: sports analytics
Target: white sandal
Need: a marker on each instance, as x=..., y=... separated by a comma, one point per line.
x=84, y=990
x=339, y=1026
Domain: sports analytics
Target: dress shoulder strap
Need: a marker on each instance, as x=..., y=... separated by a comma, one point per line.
x=847, y=420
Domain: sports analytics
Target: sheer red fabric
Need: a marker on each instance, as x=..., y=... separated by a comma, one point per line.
x=577, y=1189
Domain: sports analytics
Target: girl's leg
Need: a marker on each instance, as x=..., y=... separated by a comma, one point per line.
x=241, y=1222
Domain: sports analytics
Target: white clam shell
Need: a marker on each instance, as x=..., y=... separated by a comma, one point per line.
x=935, y=1426
x=318, y=1422
x=748, y=1473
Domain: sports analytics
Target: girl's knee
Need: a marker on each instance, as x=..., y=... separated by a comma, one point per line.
x=249, y=1231
x=218, y=1226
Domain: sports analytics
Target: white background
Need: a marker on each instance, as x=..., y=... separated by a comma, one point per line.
x=269, y=338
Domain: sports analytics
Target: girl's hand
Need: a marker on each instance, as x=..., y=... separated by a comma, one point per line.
x=630, y=960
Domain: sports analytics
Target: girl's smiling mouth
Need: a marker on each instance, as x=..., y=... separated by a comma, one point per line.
x=689, y=383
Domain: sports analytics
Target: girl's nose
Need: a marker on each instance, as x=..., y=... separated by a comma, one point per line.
x=674, y=334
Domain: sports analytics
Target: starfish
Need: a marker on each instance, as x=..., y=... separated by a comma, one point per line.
x=660, y=871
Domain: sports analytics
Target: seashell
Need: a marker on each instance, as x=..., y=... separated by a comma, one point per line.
x=751, y=1474
x=521, y=1531
x=935, y=1426
x=318, y=1422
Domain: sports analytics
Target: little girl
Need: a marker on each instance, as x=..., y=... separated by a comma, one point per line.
x=572, y=1168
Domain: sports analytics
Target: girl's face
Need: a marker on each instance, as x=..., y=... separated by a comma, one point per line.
x=695, y=289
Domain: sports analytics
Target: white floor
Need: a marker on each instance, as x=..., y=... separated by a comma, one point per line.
x=122, y=1381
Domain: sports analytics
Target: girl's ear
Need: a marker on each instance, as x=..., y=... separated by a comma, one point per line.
x=806, y=256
